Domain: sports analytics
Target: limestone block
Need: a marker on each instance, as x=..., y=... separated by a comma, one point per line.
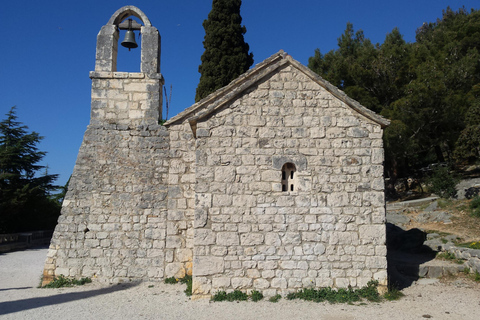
x=319, y=249
x=376, y=262
x=248, y=239
x=221, y=283
x=272, y=239
x=261, y=284
x=357, y=132
x=377, y=155
x=208, y=265
x=338, y=199
x=376, y=199
x=227, y=238
x=204, y=237
x=279, y=283
x=225, y=174
x=241, y=283
x=372, y=234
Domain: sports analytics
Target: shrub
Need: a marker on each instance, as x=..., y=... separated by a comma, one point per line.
x=442, y=183
x=62, y=281
x=171, y=280
x=256, y=296
x=188, y=281
x=236, y=295
x=275, y=298
x=341, y=295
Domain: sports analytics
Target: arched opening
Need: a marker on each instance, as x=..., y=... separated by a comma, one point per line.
x=129, y=60
x=288, y=177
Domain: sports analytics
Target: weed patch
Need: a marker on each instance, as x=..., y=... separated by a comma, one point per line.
x=61, y=281
x=186, y=280
x=471, y=245
x=275, y=298
x=171, y=280
x=338, y=296
x=256, y=296
x=450, y=257
x=393, y=294
x=236, y=295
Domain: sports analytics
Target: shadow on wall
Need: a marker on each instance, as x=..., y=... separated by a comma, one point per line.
x=405, y=254
x=32, y=303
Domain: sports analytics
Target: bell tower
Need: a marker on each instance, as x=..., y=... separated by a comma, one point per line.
x=112, y=224
x=127, y=98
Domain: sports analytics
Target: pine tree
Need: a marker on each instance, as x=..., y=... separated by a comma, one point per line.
x=226, y=53
x=25, y=201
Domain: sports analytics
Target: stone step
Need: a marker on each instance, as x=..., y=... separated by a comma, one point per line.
x=405, y=267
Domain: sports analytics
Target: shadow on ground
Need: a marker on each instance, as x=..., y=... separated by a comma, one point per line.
x=405, y=254
x=32, y=303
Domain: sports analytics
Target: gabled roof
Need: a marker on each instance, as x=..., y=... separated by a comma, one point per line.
x=222, y=96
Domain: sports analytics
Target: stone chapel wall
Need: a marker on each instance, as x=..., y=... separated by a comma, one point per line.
x=113, y=222
x=329, y=231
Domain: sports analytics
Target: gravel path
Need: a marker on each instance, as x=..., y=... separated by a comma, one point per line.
x=20, y=299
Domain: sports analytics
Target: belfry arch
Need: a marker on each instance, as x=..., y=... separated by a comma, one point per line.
x=107, y=43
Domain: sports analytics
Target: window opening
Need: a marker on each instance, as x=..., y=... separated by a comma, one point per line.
x=288, y=171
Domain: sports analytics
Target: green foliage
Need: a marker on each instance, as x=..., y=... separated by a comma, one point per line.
x=61, y=281
x=476, y=276
x=341, y=295
x=475, y=207
x=393, y=294
x=188, y=281
x=26, y=202
x=185, y=280
x=236, y=295
x=226, y=53
x=450, y=256
x=256, y=296
x=467, y=148
x=471, y=245
x=430, y=89
x=171, y=280
x=275, y=298
x=442, y=183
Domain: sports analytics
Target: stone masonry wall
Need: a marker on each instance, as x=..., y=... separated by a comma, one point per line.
x=329, y=231
x=113, y=224
x=181, y=202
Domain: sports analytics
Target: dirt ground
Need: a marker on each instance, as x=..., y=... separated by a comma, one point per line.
x=463, y=225
x=450, y=298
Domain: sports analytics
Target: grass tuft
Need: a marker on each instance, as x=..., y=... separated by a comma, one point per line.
x=275, y=298
x=61, y=281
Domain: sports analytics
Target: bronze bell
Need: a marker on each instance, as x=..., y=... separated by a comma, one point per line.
x=129, y=41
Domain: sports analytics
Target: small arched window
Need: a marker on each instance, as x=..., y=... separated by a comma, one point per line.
x=288, y=176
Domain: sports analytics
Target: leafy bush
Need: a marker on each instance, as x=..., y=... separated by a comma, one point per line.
x=341, y=295
x=393, y=294
x=186, y=280
x=442, y=183
x=171, y=280
x=256, y=296
x=236, y=295
x=471, y=245
x=61, y=281
x=275, y=298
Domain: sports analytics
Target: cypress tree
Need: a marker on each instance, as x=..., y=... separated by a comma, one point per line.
x=226, y=53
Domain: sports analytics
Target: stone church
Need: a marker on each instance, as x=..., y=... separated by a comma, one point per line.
x=273, y=183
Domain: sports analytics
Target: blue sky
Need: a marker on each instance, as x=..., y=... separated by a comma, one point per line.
x=48, y=49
